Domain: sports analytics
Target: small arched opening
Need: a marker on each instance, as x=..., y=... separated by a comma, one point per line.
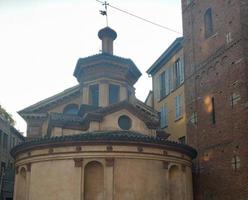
x=22, y=184
x=93, y=181
x=175, y=183
x=71, y=109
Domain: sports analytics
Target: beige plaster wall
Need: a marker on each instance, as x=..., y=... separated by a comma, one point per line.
x=131, y=174
x=110, y=122
x=139, y=179
x=54, y=180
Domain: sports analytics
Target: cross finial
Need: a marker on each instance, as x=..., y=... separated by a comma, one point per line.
x=105, y=12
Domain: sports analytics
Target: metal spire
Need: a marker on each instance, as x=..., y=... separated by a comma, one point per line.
x=105, y=12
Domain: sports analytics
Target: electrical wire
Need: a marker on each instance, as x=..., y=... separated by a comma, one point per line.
x=141, y=18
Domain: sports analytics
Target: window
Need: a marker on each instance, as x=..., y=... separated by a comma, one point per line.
x=163, y=117
x=5, y=141
x=182, y=140
x=179, y=72
x=235, y=163
x=71, y=109
x=162, y=85
x=1, y=135
x=167, y=82
x=94, y=95
x=189, y=2
x=170, y=79
x=193, y=118
x=208, y=23
x=124, y=122
x=213, y=111
x=178, y=107
x=114, y=91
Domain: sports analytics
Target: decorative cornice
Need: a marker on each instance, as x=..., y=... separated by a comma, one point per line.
x=104, y=138
x=108, y=59
x=90, y=113
x=166, y=56
x=52, y=101
x=109, y=162
x=78, y=162
x=166, y=164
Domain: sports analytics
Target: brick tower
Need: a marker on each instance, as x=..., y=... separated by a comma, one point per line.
x=216, y=88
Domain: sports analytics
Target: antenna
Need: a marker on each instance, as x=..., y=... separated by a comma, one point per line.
x=105, y=12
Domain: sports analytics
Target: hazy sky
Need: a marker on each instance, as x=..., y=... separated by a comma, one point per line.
x=41, y=41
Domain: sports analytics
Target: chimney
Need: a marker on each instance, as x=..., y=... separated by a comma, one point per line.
x=107, y=35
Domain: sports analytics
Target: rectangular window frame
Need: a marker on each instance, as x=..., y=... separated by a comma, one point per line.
x=178, y=107
x=94, y=90
x=112, y=89
x=208, y=23
x=163, y=117
x=5, y=141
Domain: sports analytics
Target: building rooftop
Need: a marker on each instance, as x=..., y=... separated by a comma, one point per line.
x=166, y=56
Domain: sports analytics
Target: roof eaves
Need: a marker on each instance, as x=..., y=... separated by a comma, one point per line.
x=172, y=49
x=50, y=100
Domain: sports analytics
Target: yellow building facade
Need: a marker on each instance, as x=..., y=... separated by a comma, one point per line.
x=168, y=91
x=96, y=141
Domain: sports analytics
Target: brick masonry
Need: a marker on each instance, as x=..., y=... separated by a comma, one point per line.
x=215, y=68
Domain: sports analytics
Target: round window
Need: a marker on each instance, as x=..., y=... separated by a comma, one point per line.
x=124, y=122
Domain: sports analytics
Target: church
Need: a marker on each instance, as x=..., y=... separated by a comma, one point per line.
x=97, y=141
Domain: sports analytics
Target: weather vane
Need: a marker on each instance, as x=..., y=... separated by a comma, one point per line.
x=105, y=12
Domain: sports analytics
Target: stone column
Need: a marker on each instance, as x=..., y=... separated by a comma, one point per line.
x=183, y=181
x=189, y=183
x=103, y=94
x=109, y=179
x=16, y=182
x=123, y=93
x=78, y=164
x=57, y=131
x=28, y=180
x=85, y=97
x=166, y=182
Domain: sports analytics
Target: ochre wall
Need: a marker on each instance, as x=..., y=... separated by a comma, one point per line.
x=53, y=180
x=177, y=128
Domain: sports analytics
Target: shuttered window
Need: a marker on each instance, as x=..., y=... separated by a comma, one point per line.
x=163, y=117
x=178, y=107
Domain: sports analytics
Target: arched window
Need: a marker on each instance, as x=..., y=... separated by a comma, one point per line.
x=175, y=183
x=208, y=23
x=71, y=109
x=93, y=181
x=21, y=184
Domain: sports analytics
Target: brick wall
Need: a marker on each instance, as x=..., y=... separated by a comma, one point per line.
x=217, y=68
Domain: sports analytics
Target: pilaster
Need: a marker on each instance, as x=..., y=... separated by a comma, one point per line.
x=78, y=164
x=85, y=97
x=109, y=178
x=166, y=180
x=123, y=93
x=103, y=94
